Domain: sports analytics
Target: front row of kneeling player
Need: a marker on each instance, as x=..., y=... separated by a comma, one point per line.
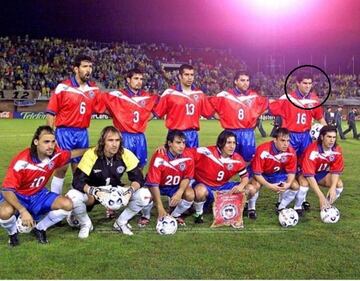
x=188, y=176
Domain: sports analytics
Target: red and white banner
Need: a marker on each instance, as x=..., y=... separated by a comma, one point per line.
x=228, y=209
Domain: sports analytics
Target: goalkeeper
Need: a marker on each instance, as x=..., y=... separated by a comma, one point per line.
x=99, y=174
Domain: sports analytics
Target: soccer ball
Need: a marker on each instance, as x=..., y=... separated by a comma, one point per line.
x=114, y=201
x=21, y=227
x=166, y=225
x=288, y=217
x=72, y=220
x=315, y=131
x=330, y=215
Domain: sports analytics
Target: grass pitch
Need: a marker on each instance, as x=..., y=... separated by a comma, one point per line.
x=263, y=250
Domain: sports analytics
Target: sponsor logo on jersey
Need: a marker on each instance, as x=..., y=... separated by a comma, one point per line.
x=96, y=171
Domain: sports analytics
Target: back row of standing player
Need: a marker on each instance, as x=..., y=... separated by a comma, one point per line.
x=74, y=100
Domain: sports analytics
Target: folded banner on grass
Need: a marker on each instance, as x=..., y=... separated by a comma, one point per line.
x=228, y=209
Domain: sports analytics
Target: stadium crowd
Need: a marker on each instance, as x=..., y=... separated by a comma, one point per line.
x=40, y=64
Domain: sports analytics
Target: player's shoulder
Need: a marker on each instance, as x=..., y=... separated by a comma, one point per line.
x=265, y=145
x=338, y=148
x=23, y=155
x=128, y=155
x=252, y=92
x=90, y=154
x=189, y=151
x=238, y=157
x=92, y=84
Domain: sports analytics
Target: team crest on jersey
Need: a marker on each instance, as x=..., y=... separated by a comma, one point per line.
x=228, y=211
x=91, y=94
x=120, y=169
x=51, y=165
x=182, y=166
x=331, y=158
x=196, y=97
x=230, y=166
x=142, y=103
x=283, y=159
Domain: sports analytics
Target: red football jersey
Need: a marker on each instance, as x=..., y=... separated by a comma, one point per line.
x=167, y=170
x=238, y=111
x=72, y=105
x=130, y=113
x=28, y=175
x=214, y=170
x=269, y=160
x=315, y=160
x=183, y=110
x=294, y=118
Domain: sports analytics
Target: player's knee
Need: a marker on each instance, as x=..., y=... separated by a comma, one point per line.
x=76, y=197
x=142, y=197
x=63, y=203
x=303, y=181
x=6, y=211
x=189, y=194
x=295, y=185
x=340, y=184
x=200, y=192
x=251, y=189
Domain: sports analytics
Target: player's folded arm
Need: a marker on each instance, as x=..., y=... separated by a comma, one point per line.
x=136, y=175
x=80, y=179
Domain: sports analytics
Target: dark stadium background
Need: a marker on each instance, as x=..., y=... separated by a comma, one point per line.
x=306, y=31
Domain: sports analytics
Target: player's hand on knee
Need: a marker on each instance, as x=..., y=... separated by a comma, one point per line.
x=237, y=189
x=175, y=199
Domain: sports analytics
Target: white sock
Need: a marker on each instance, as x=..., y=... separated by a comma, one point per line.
x=9, y=225
x=199, y=206
x=125, y=216
x=252, y=201
x=57, y=185
x=338, y=191
x=181, y=208
x=287, y=196
x=280, y=197
x=146, y=212
x=52, y=218
x=300, y=197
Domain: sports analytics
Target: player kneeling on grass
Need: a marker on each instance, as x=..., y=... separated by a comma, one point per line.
x=24, y=191
x=169, y=173
x=100, y=168
x=321, y=164
x=214, y=167
x=274, y=166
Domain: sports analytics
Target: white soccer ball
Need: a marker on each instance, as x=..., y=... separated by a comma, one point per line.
x=166, y=225
x=288, y=217
x=72, y=220
x=21, y=227
x=315, y=131
x=114, y=201
x=330, y=215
